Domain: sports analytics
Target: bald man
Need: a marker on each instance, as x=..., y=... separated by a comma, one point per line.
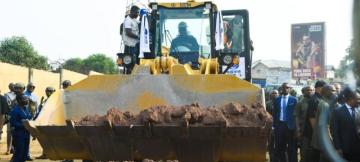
x=300, y=116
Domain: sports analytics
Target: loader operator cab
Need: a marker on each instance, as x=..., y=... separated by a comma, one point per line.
x=184, y=42
x=182, y=33
x=186, y=31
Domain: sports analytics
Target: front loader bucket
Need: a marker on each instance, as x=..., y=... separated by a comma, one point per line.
x=61, y=139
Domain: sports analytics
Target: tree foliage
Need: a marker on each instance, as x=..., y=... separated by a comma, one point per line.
x=74, y=64
x=95, y=62
x=347, y=62
x=19, y=51
x=99, y=63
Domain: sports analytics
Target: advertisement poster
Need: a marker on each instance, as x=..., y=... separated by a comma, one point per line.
x=308, y=50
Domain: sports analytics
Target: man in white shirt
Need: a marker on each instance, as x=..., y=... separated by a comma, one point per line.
x=131, y=32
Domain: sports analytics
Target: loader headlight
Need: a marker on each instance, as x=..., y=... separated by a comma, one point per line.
x=208, y=6
x=127, y=59
x=227, y=59
x=154, y=7
x=119, y=61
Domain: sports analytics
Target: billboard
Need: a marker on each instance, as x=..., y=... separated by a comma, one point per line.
x=308, y=50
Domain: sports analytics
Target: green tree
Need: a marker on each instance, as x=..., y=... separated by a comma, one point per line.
x=95, y=62
x=99, y=63
x=74, y=64
x=347, y=62
x=19, y=51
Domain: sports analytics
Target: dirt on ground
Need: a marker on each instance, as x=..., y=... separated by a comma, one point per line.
x=231, y=114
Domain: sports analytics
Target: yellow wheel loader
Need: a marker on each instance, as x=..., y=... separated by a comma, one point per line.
x=175, y=72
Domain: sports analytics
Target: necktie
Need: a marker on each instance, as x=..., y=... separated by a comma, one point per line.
x=353, y=113
x=284, y=104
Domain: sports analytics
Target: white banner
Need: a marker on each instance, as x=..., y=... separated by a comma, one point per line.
x=219, y=32
x=144, y=36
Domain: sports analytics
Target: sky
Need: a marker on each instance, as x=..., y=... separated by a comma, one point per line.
x=63, y=29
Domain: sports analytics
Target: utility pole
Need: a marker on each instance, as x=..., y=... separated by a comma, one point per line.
x=30, y=74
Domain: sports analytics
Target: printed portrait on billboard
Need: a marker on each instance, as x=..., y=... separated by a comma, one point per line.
x=307, y=50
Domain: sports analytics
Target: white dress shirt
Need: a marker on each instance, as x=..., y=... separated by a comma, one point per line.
x=283, y=107
x=349, y=109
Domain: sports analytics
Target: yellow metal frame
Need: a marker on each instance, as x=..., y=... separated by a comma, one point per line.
x=170, y=65
x=189, y=4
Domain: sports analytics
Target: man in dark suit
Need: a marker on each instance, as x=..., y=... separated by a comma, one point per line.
x=284, y=126
x=346, y=140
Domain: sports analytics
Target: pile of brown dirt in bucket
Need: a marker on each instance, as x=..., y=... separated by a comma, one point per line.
x=115, y=116
x=231, y=114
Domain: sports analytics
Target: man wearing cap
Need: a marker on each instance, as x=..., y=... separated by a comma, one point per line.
x=131, y=34
x=32, y=106
x=10, y=99
x=284, y=126
x=18, y=89
x=21, y=136
x=33, y=99
x=66, y=84
x=310, y=121
x=184, y=42
x=11, y=96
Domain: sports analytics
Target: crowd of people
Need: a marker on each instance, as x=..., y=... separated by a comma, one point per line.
x=17, y=105
x=295, y=123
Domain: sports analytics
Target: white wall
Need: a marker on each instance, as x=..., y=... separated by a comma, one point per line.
x=272, y=75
